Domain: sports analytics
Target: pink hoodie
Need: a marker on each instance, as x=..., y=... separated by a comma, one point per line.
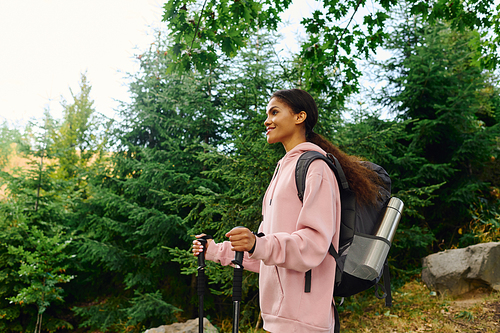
x=297, y=238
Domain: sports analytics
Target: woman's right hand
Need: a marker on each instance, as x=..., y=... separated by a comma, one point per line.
x=197, y=247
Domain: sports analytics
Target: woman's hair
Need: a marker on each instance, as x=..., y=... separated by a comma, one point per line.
x=361, y=179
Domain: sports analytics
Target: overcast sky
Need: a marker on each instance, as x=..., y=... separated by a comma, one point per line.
x=46, y=44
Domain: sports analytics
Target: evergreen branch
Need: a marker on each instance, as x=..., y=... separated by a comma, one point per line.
x=372, y=135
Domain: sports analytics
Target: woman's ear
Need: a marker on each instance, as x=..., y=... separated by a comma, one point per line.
x=300, y=117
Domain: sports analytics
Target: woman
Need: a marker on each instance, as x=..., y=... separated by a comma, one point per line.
x=297, y=234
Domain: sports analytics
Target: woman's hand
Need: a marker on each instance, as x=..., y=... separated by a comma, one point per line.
x=242, y=239
x=197, y=247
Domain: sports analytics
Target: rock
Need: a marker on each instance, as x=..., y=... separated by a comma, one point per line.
x=190, y=326
x=458, y=271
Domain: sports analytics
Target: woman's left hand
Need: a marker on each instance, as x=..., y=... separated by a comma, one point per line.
x=242, y=239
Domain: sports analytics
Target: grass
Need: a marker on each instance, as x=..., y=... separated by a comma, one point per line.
x=416, y=309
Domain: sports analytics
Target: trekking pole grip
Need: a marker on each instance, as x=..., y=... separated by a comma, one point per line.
x=238, y=276
x=201, y=280
x=201, y=268
x=237, y=292
x=201, y=255
x=201, y=264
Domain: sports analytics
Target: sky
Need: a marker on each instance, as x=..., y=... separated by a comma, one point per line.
x=47, y=44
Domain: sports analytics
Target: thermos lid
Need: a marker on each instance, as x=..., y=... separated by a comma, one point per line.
x=396, y=203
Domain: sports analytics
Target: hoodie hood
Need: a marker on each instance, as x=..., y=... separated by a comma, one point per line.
x=299, y=149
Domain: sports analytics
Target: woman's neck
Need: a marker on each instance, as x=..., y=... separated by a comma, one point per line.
x=293, y=143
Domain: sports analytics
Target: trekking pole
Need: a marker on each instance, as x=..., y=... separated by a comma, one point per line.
x=237, y=283
x=201, y=280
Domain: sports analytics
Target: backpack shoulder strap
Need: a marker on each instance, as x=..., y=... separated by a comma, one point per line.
x=300, y=181
x=348, y=197
x=303, y=165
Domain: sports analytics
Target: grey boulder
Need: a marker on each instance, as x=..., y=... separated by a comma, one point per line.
x=455, y=272
x=190, y=326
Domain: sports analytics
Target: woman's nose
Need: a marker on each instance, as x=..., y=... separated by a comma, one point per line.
x=267, y=122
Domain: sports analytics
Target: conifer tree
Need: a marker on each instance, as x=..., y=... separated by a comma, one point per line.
x=143, y=201
x=34, y=241
x=437, y=82
x=245, y=162
x=8, y=137
x=80, y=138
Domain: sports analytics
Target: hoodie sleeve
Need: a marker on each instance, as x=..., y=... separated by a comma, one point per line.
x=221, y=253
x=317, y=223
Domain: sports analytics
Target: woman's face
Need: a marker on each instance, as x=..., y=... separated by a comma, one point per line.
x=282, y=125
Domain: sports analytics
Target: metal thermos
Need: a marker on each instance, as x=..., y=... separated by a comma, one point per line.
x=369, y=261
x=390, y=221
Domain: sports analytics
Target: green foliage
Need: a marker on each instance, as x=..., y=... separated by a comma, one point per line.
x=436, y=81
x=38, y=243
x=41, y=267
x=192, y=158
x=328, y=56
x=485, y=224
x=34, y=246
x=147, y=305
x=147, y=197
x=109, y=314
x=380, y=141
x=246, y=162
x=80, y=137
x=99, y=239
x=8, y=137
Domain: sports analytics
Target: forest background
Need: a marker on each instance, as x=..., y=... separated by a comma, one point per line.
x=98, y=222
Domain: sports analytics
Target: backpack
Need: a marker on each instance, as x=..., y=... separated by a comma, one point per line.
x=359, y=223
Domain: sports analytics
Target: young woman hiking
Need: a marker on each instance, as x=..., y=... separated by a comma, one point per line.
x=297, y=234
